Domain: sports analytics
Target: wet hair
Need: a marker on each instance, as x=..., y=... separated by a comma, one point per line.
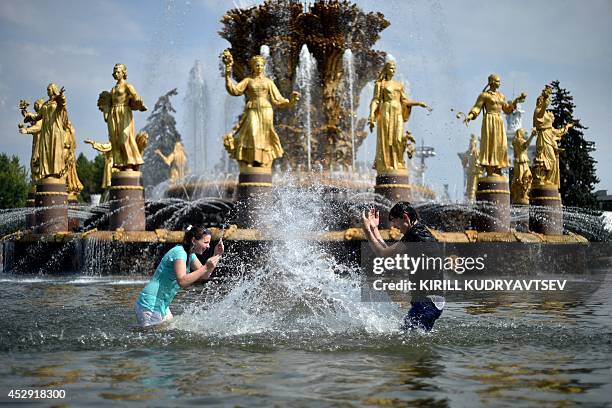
x=191, y=232
x=401, y=208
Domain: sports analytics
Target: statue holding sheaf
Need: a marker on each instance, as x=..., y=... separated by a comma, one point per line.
x=52, y=118
x=546, y=161
x=34, y=130
x=255, y=143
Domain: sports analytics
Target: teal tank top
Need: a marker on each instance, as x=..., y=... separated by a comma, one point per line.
x=163, y=286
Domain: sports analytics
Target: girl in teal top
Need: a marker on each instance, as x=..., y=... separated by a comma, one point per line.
x=179, y=268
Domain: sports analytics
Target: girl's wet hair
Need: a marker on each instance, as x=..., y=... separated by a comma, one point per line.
x=197, y=232
x=404, y=207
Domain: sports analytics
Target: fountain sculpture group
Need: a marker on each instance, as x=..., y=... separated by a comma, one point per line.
x=326, y=136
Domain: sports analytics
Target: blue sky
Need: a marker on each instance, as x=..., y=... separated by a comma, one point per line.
x=444, y=50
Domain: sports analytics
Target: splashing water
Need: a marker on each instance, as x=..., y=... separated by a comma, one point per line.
x=300, y=287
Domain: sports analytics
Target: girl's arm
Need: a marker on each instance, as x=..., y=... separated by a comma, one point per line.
x=185, y=279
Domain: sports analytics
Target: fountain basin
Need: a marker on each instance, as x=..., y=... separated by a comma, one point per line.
x=138, y=252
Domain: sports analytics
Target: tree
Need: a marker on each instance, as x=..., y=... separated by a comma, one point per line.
x=163, y=135
x=14, y=182
x=577, y=166
x=196, y=118
x=91, y=174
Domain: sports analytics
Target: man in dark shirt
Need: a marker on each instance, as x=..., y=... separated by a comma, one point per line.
x=425, y=310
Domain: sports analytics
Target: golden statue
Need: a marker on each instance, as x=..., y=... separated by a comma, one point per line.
x=389, y=109
x=546, y=161
x=493, y=144
x=53, y=124
x=177, y=160
x=142, y=140
x=106, y=150
x=255, y=142
x=521, y=177
x=73, y=184
x=117, y=106
x=470, y=163
x=34, y=130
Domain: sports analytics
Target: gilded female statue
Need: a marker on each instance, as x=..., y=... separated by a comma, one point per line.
x=389, y=109
x=34, y=130
x=73, y=184
x=177, y=161
x=53, y=125
x=117, y=106
x=493, y=143
x=522, y=177
x=546, y=162
x=106, y=150
x=472, y=169
x=255, y=142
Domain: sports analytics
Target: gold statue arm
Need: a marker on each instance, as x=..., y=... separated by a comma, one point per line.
x=35, y=128
x=235, y=89
x=101, y=147
x=167, y=159
x=31, y=117
x=279, y=101
x=60, y=99
x=475, y=111
x=374, y=105
x=136, y=102
x=410, y=103
x=534, y=133
x=559, y=133
x=510, y=106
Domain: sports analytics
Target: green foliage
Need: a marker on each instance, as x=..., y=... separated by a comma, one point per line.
x=14, y=182
x=577, y=166
x=91, y=174
x=163, y=135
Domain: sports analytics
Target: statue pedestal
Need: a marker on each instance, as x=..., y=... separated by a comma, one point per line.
x=127, y=201
x=73, y=204
x=394, y=186
x=30, y=206
x=492, y=204
x=51, y=206
x=252, y=194
x=546, y=211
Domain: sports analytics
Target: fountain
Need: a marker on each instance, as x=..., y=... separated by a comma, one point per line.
x=287, y=318
x=324, y=51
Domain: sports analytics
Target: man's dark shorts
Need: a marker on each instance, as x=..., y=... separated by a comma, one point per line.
x=422, y=315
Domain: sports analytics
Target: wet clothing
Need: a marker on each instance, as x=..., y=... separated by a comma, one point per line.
x=426, y=306
x=163, y=286
x=418, y=233
x=422, y=315
x=146, y=317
